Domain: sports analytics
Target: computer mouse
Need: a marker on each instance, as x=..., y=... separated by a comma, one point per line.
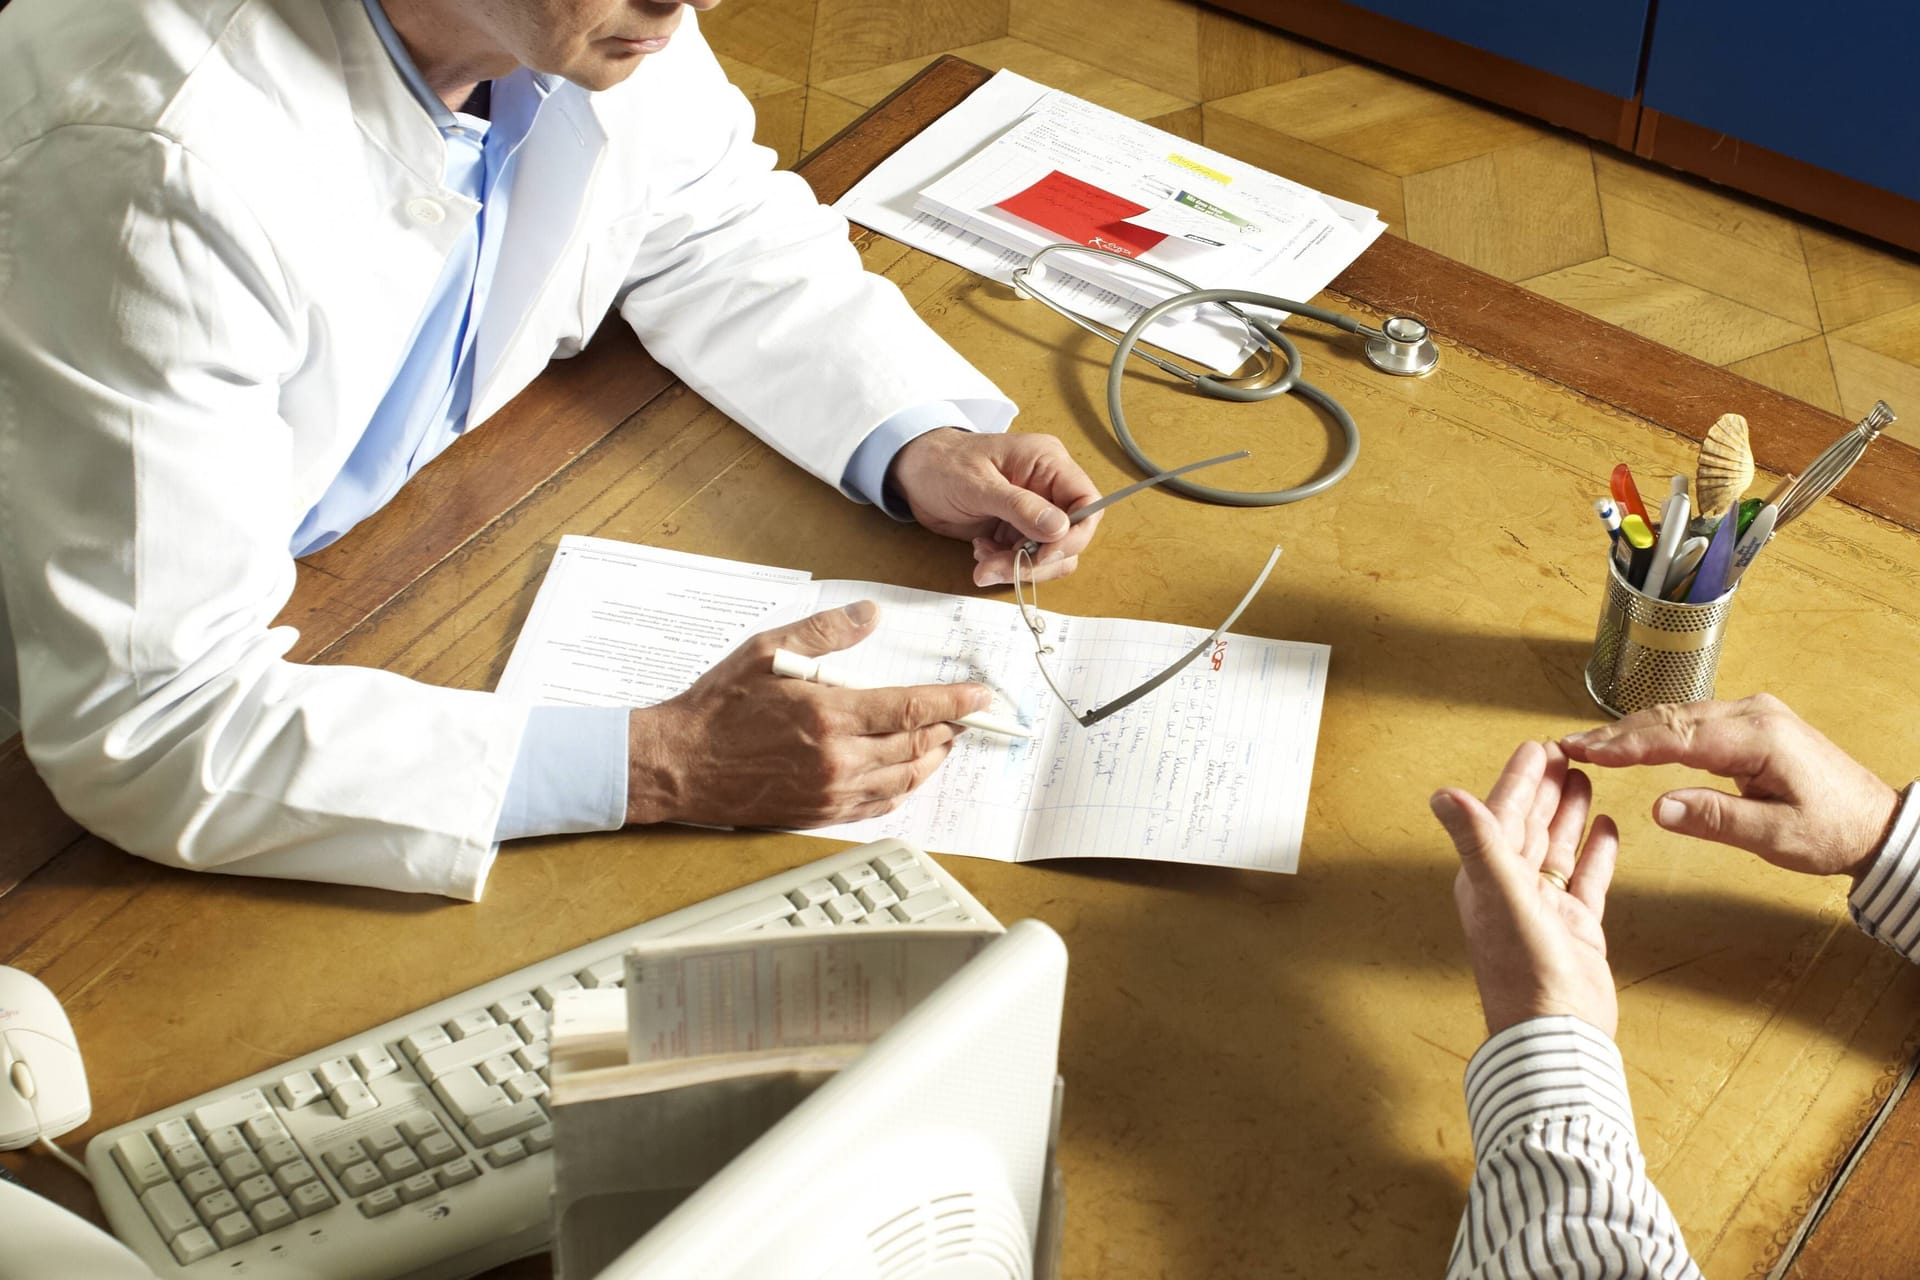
x=43, y=1085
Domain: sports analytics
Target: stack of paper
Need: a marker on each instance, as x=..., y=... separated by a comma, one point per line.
x=1018, y=166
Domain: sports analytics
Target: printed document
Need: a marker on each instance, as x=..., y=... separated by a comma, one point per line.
x=1018, y=166
x=1212, y=767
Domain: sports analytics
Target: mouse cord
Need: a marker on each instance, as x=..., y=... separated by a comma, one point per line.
x=55, y=1152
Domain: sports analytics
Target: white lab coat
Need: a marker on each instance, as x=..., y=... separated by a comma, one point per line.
x=219, y=221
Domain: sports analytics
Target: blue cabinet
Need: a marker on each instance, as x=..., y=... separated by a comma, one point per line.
x=1591, y=42
x=1824, y=84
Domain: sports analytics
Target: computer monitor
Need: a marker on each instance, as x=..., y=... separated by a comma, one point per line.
x=926, y=1159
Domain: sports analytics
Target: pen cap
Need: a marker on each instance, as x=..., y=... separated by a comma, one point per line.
x=800, y=667
x=1648, y=651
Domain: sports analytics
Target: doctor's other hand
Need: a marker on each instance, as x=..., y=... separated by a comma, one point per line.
x=1537, y=948
x=1804, y=804
x=999, y=491
x=746, y=748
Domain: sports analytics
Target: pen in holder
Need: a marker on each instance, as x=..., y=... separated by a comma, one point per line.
x=1648, y=651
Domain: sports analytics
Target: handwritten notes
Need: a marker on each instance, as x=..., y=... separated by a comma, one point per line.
x=1212, y=767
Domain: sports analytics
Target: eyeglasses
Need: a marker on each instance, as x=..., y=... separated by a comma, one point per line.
x=1026, y=595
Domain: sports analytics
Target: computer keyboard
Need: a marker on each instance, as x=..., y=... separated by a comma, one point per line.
x=419, y=1148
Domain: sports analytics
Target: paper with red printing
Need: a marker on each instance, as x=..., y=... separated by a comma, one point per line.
x=1082, y=213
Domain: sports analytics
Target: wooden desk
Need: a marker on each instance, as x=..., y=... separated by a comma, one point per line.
x=1263, y=1071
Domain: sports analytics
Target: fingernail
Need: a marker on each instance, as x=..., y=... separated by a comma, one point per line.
x=1441, y=803
x=990, y=579
x=860, y=612
x=1669, y=812
x=1574, y=739
x=1053, y=523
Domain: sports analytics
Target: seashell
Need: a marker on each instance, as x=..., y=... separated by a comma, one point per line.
x=1726, y=466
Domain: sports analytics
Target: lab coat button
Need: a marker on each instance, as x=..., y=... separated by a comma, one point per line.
x=426, y=212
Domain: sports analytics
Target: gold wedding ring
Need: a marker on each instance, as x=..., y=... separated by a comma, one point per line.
x=1554, y=878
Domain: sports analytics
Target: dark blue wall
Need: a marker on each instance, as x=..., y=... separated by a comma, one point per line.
x=1594, y=42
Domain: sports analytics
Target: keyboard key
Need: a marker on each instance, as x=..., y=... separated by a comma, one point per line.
x=222, y=1143
x=507, y=1153
x=752, y=916
x=418, y=1187
x=911, y=881
x=339, y=1158
x=140, y=1162
x=373, y=1062
x=877, y=896
x=169, y=1210
x=535, y=1025
x=311, y=1197
x=952, y=915
x=216, y=1206
x=538, y=1138
x=401, y=1165
x=263, y=1129
x=354, y=1099
x=361, y=1178
x=278, y=1152
x=422, y=1040
x=192, y=1245
x=235, y=1228
x=272, y=1214
x=496, y=1126
x=470, y=1052
x=235, y=1170
x=521, y=1088
x=610, y=972
x=184, y=1157
x=470, y=1023
x=420, y=1126
x=812, y=893
x=293, y=1174
x=514, y=1007
x=380, y=1140
x=202, y=1183
x=382, y=1201
x=843, y=909
x=237, y=1110
x=920, y=906
x=893, y=862
x=437, y=1149
x=171, y=1133
x=455, y=1172
x=853, y=878
x=812, y=918
x=533, y=1057
x=499, y=1070
x=335, y=1072
x=466, y=1095
x=547, y=990
x=256, y=1190
x=298, y=1090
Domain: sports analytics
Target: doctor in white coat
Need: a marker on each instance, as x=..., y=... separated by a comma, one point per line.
x=261, y=260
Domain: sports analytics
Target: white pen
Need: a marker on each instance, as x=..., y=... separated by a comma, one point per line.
x=1673, y=532
x=1751, y=541
x=818, y=670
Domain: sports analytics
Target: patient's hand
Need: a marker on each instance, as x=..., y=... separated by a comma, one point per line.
x=746, y=748
x=1537, y=949
x=1804, y=804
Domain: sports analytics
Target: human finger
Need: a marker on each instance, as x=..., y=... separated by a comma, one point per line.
x=1665, y=734
x=828, y=631
x=1513, y=792
x=998, y=570
x=1546, y=803
x=1476, y=834
x=910, y=707
x=894, y=782
x=1569, y=819
x=1702, y=812
x=1593, y=872
x=898, y=748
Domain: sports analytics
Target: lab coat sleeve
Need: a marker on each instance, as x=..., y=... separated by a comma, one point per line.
x=749, y=290
x=145, y=511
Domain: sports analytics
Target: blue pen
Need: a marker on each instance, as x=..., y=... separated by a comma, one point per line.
x=1609, y=516
x=1711, y=582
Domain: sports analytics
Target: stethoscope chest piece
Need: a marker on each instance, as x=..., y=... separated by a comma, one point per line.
x=1402, y=347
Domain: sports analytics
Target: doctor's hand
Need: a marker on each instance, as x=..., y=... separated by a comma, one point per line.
x=1537, y=948
x=746, y=748
x=998, y=490
x=1804, y=804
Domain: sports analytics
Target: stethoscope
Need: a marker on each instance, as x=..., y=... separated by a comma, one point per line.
x=1400, y=346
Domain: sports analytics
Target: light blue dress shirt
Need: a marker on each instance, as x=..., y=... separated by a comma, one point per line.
x=571, y=772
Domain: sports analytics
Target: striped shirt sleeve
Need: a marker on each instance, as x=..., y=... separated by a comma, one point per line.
x=1560, y=1188
x=1886, y=902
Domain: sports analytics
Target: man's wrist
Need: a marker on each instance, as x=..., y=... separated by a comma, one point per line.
x=655, y=788
x=1880, y=832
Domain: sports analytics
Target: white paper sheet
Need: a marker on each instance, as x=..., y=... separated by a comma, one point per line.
x=1212, y=767
x=936, y=193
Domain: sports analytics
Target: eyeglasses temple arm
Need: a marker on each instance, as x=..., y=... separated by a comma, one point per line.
x=1091, y=718
x=1032, y=547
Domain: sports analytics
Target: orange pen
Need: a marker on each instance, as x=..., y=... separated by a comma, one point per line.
x=1627, y=495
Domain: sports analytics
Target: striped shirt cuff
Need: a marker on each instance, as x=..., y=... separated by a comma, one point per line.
x=1545, y=1069
x=1886, y=902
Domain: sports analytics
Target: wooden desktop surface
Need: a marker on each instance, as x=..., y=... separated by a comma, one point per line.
x=1262, y=1071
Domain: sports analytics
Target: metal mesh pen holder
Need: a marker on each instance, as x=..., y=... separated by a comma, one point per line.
x=1648, y=651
